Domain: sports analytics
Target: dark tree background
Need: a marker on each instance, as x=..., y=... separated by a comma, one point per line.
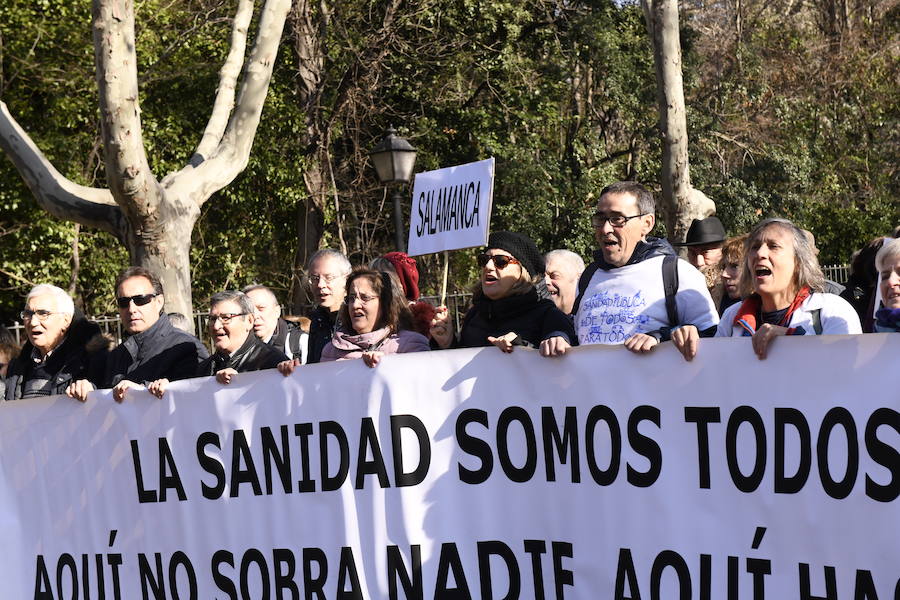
x=792, y=111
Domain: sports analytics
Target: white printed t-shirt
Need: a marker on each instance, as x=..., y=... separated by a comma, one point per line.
x=627, y=300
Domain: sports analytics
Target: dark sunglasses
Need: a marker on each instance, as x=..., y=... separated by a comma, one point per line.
x=501, y=261
x=139, y=300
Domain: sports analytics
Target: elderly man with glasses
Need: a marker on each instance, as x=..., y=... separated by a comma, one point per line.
x=327, y=278
x=636, y=292
x=153, y=348
x=237, y=349
x=60, y=348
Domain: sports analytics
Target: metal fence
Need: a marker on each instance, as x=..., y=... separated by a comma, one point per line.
x=458, y=304
x=838, y=273
x=111, y=325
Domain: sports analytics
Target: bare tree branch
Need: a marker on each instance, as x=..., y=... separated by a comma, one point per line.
x=228, y=76
x=58, y=195
x=231, y=155
x=127, y=170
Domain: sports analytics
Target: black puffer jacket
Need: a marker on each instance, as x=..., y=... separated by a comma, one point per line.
x=533, y=319
x=253, y=355
x=159, y=352
x=82, y=355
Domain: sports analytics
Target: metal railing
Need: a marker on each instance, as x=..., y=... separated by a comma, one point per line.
x=111, y=325
x=838, y=273
x=458, y=304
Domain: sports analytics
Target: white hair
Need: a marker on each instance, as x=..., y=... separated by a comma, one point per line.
x=345, y=266
x=64, y=302
x=890, y=250
x=574, y=261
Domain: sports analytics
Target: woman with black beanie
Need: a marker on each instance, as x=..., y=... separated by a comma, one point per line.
x=506, y=308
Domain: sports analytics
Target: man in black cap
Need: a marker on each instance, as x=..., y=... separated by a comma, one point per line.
x=704, y=242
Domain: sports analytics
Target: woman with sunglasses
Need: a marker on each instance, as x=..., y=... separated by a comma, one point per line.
x=374, y=320
x=506, y=308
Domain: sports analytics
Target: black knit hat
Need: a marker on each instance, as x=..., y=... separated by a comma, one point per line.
x=521, y=247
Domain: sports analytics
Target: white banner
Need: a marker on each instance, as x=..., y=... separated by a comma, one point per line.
x=451, y=208
x=471, y=474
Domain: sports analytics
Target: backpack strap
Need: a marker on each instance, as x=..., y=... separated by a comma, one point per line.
x=583, y=282
x=294, y=344
x=816, y=316
x=670, y=287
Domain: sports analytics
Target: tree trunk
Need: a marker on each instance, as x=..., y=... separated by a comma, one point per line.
x=679, y=205
x=154, y=219
x=308, y=22
x=166, y=250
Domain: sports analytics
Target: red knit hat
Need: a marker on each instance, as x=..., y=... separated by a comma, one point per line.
x=407, y=273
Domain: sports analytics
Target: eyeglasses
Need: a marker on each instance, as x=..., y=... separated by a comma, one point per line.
x=41, y=314
x=224, y=317
x=328, y=279
x=139, y=300
x=364, y=298
x=501, y=261
x=598, y=220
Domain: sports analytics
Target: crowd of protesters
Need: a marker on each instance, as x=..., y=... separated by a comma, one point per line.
x=635, y=292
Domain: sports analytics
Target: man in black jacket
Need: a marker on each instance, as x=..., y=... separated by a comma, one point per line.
x=328, y=270
x=237, y=349
x=61, y=347
x=271, y=328
x=153, y=349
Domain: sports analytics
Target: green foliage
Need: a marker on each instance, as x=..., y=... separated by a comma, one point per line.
x=562, y=94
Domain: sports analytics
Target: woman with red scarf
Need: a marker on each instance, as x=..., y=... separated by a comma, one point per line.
x=783, y=287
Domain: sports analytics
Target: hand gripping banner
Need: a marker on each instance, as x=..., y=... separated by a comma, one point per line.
x=471, y=474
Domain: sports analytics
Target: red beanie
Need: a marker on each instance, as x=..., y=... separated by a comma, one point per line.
x=407, y=273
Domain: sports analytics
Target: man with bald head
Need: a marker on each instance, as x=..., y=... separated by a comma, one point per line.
x=271, y=328
x=60, y=347
x=564, y=267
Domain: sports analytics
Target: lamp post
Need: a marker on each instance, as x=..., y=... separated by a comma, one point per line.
x=394, y=159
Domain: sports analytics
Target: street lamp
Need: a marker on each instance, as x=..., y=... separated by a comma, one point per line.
x=394, y=159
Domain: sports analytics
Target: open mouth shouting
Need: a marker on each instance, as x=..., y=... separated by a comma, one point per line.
x=762, y=272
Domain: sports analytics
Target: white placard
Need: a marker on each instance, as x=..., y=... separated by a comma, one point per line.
x=471, y=474
x=451, y=208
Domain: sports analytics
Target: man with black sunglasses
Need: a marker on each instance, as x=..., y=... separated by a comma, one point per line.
x=153, y=348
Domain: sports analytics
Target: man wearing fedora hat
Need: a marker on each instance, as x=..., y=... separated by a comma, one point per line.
x=704, y=242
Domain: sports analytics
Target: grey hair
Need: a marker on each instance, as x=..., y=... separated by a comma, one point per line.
x=807, y=271
x=645, y=202
x=573, y=260
x=64, y=302
x=179, y=321
x=330, y=253
x=890, y=250
x=239, y=298
x=380, y=263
